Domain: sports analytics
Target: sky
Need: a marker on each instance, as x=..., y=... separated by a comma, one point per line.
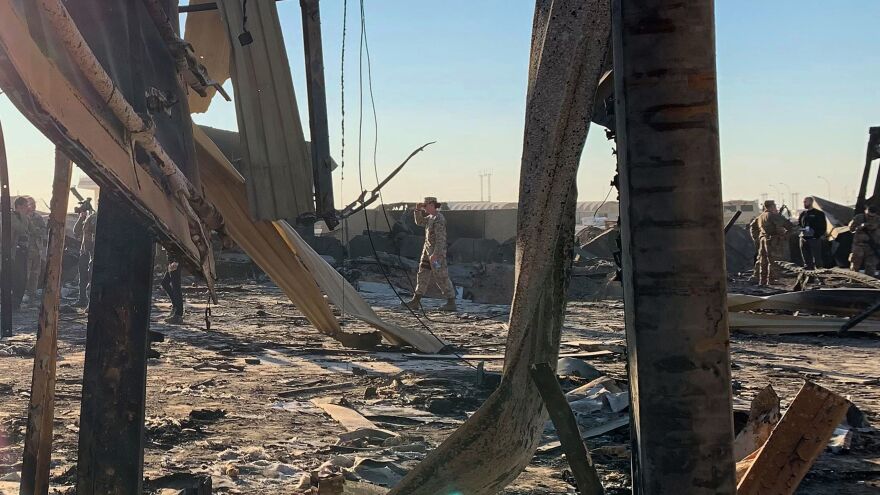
x=798, y=84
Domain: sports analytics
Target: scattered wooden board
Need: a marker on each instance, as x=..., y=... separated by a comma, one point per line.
x=795, y=443
x=350, y=419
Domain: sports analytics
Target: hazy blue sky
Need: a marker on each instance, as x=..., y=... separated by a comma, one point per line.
x=799, y=84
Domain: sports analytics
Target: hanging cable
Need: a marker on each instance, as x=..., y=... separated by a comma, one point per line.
x=366, y=50
x=360, y=177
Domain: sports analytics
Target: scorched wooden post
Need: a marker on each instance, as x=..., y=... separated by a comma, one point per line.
x=674, y=273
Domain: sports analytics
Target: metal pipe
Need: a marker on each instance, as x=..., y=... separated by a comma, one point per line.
x=202, y=7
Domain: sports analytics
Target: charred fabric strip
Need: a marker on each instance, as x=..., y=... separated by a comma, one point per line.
x=277, y=167
x=38, y=440
x=569, y=43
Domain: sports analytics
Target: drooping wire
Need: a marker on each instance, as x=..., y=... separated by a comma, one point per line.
x=369, y=230
x=366, y=49
x=342, y=133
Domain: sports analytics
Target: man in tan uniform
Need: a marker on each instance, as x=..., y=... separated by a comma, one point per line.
x=37, y=237
x=432, y=266
x=20, y=227
x=866, y=231
x=768, y=231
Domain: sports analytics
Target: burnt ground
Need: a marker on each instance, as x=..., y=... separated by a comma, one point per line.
x=214, y=405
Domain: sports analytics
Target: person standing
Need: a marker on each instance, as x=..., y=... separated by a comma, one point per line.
x=37, y=238
x=20, y=225
x=866, y=234
x=433, y=266
x=171, y=284
x=770, y=229
x=813, y=226
x=84, y=229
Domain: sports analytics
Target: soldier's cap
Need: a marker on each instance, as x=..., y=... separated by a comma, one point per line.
x=769, y=203
x=431, y=199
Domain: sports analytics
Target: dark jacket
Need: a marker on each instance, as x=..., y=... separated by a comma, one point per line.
x=815, y=220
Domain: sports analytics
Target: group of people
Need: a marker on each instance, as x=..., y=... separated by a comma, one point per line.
x=29, y=239
x=770, y=231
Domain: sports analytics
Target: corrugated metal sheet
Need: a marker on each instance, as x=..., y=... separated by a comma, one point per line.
x=276, y=164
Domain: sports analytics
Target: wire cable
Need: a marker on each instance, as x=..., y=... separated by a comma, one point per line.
x=360, y=177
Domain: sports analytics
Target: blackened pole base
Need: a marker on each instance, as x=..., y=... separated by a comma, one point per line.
x=111, y=447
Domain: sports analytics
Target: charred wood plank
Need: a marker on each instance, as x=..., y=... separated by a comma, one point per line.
x=38, y=440
x=111, y=440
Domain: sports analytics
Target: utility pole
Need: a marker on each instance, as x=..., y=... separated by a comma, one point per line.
x=828, y=185
x=322, y=166
x=673, y=246
x=488, y=176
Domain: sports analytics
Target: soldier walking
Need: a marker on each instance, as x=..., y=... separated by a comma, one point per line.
x=866, y=234
x=768, y=230
x=432, y=266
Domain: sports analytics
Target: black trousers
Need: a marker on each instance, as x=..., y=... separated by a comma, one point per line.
x=171, y=284
x=811, y=251
x=85, y=275
x=19, y=276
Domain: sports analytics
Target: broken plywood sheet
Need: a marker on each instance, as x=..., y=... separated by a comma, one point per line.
x=764, y=324
x=350, y=419
x=206, y=33
x=291, y=263
x=795, y=443
x=276, y=164
x=832, y=301
x=259, y=239
x=345, y=297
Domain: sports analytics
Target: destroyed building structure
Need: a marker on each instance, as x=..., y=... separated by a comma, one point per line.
x=114, y=84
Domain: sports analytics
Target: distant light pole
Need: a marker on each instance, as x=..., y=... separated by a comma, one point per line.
x=787, y=188
x=827, y=183
x=778, y=192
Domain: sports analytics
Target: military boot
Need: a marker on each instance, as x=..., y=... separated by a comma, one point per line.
x=415, y=303
x=450, y=305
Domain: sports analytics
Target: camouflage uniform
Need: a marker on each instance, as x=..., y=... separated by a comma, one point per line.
x=435, y=244
x=865, y=228
x=20, y=227
x=85, y=229
x=37, y=233
x=768, y=230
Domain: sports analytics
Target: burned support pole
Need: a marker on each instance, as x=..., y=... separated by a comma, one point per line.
x=673, y=246
x=111, y=446
x=322, y=166
x=38, y=441
x=5, y=245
